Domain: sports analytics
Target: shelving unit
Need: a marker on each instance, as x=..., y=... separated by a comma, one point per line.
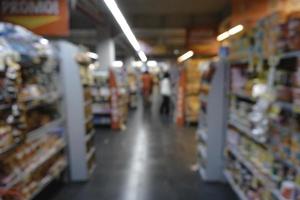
x=101, y=97
x=263, y=127
x=77, y=82
x=31, y=116
x=212, y=120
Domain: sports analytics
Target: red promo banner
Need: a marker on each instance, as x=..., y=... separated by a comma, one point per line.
x=115, y=118
x=180, y=99
x=43, y=17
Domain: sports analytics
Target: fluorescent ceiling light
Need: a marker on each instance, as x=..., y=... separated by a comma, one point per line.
x=92, y=55
x=142, y=56
x=137, y=64
x=117, y=64
x=151, y=63
x=231, y=32
x=116, y=12
x=223, y=36
x=185, y=56
x=236, y=29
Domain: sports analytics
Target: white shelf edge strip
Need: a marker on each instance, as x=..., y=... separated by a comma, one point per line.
x=235, y=187
x=49, y=179
x=89, y=136
x=202, y=172
x=90, y=153
x=91, y=171
x=44, y=129
x=27, y=172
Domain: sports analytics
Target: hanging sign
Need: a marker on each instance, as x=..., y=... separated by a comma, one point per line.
x=202, y=41
x=43, y=17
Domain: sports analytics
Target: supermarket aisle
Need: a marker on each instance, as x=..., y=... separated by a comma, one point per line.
x=151, y=160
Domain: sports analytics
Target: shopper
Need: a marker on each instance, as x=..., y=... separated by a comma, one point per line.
x=165, y=90
x=147, y=86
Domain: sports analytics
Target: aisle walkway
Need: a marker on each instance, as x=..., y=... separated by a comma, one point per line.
x=151, y=160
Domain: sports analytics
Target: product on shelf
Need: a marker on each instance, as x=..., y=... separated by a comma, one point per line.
x=30, y=150
x=263, y=132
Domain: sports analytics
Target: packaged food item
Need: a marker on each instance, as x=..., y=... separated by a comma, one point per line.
x=288, y=190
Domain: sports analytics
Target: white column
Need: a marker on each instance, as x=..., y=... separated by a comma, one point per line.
x=106, y=49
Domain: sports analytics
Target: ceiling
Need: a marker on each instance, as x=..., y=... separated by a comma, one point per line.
x=160, y=24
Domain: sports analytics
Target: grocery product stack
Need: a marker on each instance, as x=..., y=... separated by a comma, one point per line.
x=263, y=132
x=85, y=64
x=133, y=85
x=110, y=98
x=32, y=135
x=101, y=97
x=192, y=88
x=123, y=95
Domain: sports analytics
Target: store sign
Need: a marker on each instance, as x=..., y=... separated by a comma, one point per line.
x=44, y=17
x=202, y=41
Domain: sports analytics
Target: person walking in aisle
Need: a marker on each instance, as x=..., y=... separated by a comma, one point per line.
x=165, y=90
x=147, y=84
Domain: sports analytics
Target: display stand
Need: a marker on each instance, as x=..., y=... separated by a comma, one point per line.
x=78, y=133
x=212, y=125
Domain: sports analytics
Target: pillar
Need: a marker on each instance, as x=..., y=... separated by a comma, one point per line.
x=106, y=48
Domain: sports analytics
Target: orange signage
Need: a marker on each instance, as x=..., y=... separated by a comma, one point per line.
x=202, y=41
x=43, y=17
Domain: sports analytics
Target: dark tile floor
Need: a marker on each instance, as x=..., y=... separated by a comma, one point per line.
x=150, y=160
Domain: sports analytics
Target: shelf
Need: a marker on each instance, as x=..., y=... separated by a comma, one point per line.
x=102, y=113
x=21, y=175
x=202, y=151
x=5, y=106
x=241, y=95
x=89, y=136
x=285, y=105
x=202, y=134
x=202, y=173
x=253, y=169
x=11, y=147
x=234, y=186
x=292, y=54
x=90, y=118
x=49, y=179
x=44, y=159
x=92, y=169
x=48, y=97
x=90, y=153
x=246, y=131
x=39, y=132
x=87, y=103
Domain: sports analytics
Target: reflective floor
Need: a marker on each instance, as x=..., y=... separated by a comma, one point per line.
x=150, y=160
